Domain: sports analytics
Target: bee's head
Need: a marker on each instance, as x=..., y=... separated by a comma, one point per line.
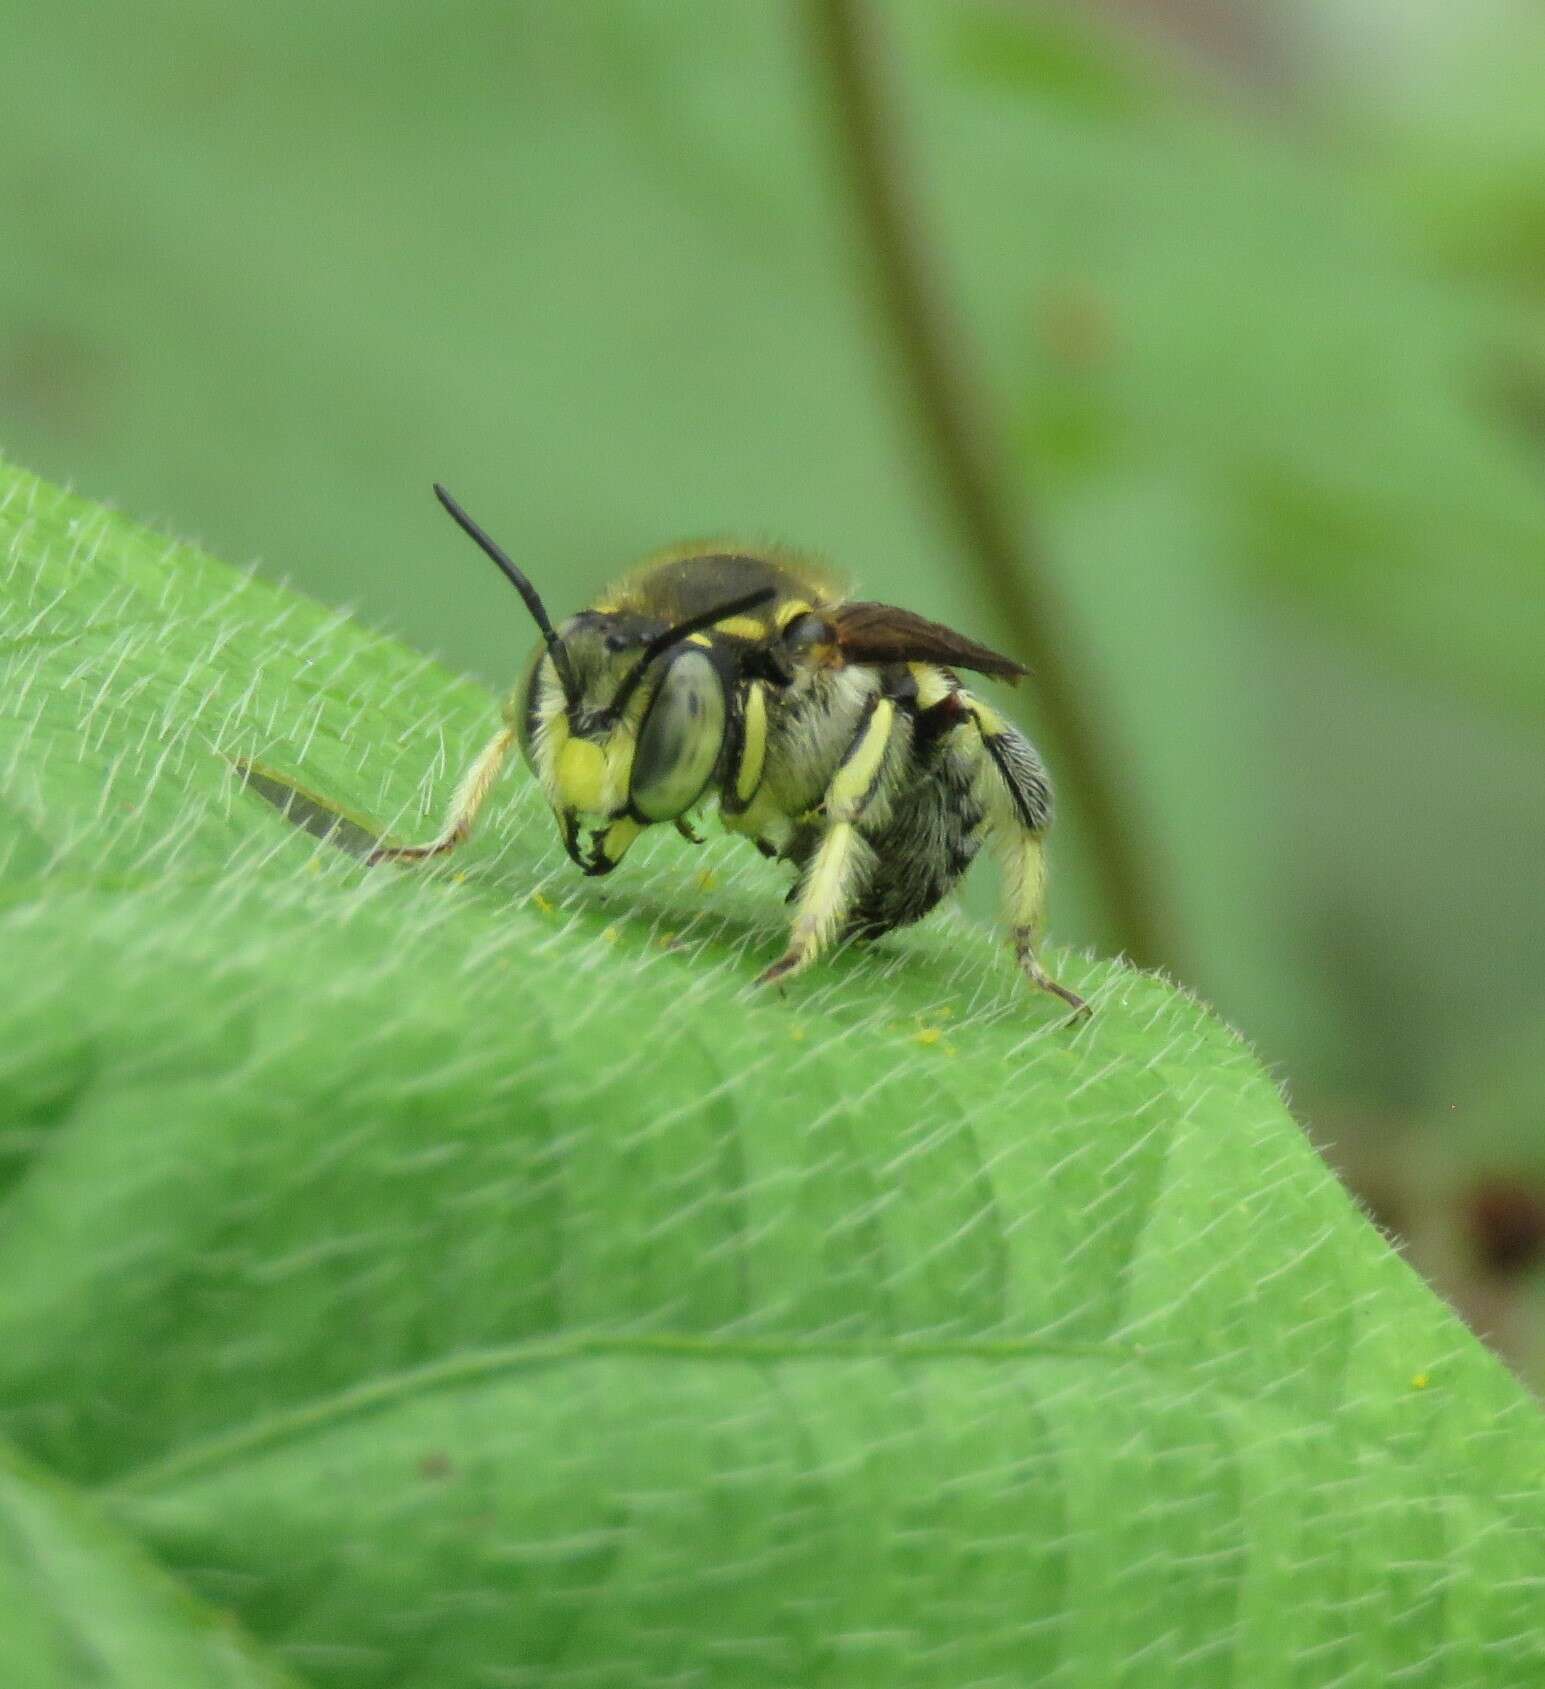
x=620, y=716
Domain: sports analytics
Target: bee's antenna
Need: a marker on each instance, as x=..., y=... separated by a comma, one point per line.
x=662, y=642
x=555, y=646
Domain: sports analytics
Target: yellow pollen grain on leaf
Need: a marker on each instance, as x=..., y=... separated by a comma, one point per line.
x=313, y=866
x=459, y=878
x=705, y=879
x=545, y=904
x=927, y=1035
x=797, y=1033
x=1420, y=1380
x=611, y=935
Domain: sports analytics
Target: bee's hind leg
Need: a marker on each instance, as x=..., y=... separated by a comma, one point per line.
x=475, y=786
x=1024, y=902
x=1019, y=812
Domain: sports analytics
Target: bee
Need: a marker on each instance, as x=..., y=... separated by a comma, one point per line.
x=833, y=734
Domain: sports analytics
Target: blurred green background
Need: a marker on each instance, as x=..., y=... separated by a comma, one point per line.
x=1250, y=304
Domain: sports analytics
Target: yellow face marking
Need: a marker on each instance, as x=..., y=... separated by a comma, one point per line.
x=582, y=776
x=741, y=627
x=851, y=784
x=753, y=753
x=794, y=607
x=618, y=837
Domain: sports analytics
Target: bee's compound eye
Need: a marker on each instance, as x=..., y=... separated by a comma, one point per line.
x=680, y=740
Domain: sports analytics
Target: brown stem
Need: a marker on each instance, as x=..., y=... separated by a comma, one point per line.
x=1010, y=569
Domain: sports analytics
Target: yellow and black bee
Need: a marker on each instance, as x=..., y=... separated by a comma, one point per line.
x=833, y=734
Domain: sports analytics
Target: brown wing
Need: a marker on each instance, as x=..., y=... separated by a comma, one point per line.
x=880, y=633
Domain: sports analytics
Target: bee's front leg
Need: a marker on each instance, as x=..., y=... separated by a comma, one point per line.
x=474, y=788
x=842, y=861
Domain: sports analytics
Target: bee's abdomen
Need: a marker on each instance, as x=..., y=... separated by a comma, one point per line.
x=931, y=837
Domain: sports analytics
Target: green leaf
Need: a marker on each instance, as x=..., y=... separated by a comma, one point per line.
x=83, y=1608
x=468, y=1277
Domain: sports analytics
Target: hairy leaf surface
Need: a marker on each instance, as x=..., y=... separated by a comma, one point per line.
x=466, y=1277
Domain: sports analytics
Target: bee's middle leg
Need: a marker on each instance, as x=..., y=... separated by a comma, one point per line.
x=840, y=865
x=831, y=882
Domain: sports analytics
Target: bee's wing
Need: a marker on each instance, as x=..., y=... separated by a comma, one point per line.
x=880, y=633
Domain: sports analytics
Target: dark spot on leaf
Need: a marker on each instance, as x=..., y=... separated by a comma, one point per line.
x=309, y=812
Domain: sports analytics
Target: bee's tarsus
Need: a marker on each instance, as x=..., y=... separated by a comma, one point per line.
x=470, y=795
x=1024, y=951
x=783, y=969
x=409, y=853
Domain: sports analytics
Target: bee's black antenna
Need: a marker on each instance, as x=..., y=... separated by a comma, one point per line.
x=662, y=642
x=533, y=602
